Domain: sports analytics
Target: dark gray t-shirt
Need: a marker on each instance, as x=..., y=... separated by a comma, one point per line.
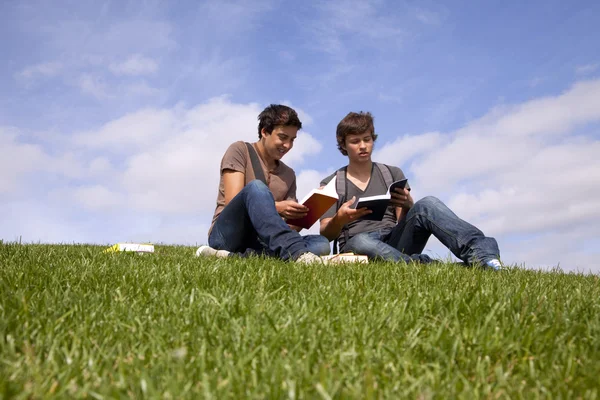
x=375, y=187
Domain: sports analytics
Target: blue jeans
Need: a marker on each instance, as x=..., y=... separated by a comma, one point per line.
x=408, y=238
x=250, y=225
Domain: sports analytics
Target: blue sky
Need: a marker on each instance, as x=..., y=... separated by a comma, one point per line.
x=114, y=115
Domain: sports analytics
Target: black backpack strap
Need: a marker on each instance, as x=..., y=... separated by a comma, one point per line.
x=341, y=187
x=386, y=173
x=258, y=171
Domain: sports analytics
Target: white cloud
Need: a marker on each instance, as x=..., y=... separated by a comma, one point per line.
x=117, y=38
x=361, y=38
x=94, y=86
x=180, y=231
x=25, y=166
x=37, y=71
x=97, y=197
x=141, y=171
x=388, y=98
x=509, y=136
x=37, y=221
x=172, y=156
x=141, y=89
x=428, y=17
x=369, y=23
x=101, y=89
x=375, y=25
x=100, y=166
x=571, y=249
x=523, y=170
x=87, y=51
x=407, y=147
x=136, y=64
x=307, y=180
x=16, y=160
x=287, y=56
x=139, y=130
x=231, y=18
x=303, y=115
x=586, y=69
x=536, y=81
x=304, y=145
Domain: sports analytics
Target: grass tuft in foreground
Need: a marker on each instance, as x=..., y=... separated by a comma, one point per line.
x=75, y=322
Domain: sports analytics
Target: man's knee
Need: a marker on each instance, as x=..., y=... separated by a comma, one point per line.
x=321, y=246
x=427, y=203
x=257, y=188
x=256, y=185
x=360, y=243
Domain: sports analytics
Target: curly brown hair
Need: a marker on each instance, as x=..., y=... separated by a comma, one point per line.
x=354, y=124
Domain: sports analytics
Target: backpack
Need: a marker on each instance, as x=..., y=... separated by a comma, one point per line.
x=258, y=171
x=341, y=186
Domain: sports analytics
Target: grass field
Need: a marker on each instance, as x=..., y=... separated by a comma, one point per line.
x=75, y=322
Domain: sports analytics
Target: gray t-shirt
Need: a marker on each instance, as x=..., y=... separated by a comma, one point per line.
x=375, y=187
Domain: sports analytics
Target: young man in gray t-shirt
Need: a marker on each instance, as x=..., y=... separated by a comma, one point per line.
x=406, y=226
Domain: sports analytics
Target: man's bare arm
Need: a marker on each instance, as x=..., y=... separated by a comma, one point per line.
x=401, y=213
x=403, y=202
x=331, y=227
x=233, y=182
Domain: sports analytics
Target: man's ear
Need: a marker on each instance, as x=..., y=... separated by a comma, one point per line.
x=263, y=132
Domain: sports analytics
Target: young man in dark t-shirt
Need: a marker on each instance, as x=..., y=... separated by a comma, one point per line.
x=406, y=225
x=256, y=196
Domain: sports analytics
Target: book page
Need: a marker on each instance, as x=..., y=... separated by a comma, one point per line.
x=327, y=190
x=318, y=202
x=398, y=184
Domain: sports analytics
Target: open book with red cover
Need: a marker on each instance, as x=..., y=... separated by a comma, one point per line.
x=318, y=202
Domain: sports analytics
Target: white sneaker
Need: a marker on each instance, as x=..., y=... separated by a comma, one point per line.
x=494, y=264
x=309, y=258
x=207, y=251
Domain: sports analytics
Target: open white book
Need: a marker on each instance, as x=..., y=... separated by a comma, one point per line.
x=139, y=248
x=345, y=258
x=318, y=202
x=378, y=204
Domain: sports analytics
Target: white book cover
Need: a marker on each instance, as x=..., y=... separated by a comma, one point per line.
x=345, y=258
x=131, y=247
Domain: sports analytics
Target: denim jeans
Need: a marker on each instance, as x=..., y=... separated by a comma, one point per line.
x=408, y=238
x=250, y=225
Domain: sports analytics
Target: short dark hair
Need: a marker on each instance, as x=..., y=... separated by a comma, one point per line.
x=354, y=124
x=277, y=114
